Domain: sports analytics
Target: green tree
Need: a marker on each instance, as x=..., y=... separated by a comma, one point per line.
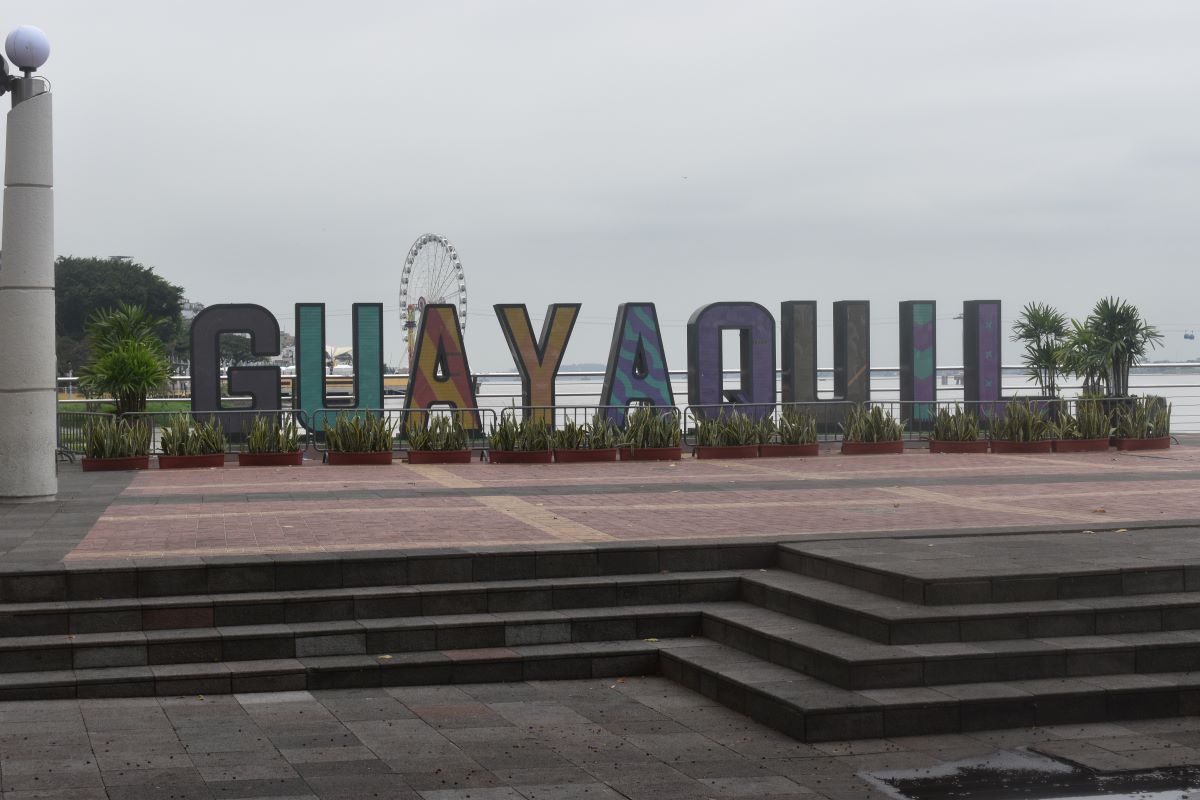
x=85, y=285
x=1104, y=347
x=1041, y=328
x=128, y=359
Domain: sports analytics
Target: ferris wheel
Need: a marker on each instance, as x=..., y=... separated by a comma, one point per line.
x=432, y=273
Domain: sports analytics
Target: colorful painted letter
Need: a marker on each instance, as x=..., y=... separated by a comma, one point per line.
x=637, y=365
x=918, y=359
x=260, y=383
x=756, y=333
x=981, y=355
x=441, y=375
x=851, y=350
x=308, y=391
x=537, y=360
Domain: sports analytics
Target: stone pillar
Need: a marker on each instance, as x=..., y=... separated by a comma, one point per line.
x=28, y=395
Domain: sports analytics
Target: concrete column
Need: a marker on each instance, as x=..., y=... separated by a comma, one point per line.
x=28, y=397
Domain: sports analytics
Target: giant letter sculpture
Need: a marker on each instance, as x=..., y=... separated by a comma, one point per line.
x=637, y=366
x=851, y=351
x=260, y=383
x=756, y=334
x=918, y=360
x=981, y=356
x=308, y=390
x=537, y=360
x=440, y=373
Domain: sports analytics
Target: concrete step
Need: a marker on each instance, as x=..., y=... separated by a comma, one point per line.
x=386, y=636
x=523, y=662
x=112, y=579
x=998, y=569
x=850, y=662
x=812, y=711
x=891, y=621
x=79, y=617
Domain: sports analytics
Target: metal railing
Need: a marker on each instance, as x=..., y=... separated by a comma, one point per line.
x=235, y=422
x=72, y=429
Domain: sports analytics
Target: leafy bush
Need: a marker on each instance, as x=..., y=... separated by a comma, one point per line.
x=797, y=427
x=1103, y=348
x=360, y=432
x=129, y=360
x=1090, y=420
x=954, y=426
x=646, y=426
x=730, y=428
x=115, y=438
x=1022, y=422
x=182, y=435
x=525, y=436
x=444, y=432
x=601, y=434
x=765, y=430
x=571, y=436
x=268, y=434
x=866, y=423
x=1145, y=418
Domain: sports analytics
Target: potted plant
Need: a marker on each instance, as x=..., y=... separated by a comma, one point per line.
x=272, y=442
x=112, y=443
x=443, y=440
x=524, y=442
x=128, y=358
x=1144, y=425
x=1086, y=430
x=361, y=437
x=651, y=434
x=727, y=435
x=795, y=434
x=1023, y=428
x=871, y=430
x=187, y=444
x=956, y=431
x=586, y=443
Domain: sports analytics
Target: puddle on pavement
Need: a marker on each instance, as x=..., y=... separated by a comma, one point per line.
x=1028, y=776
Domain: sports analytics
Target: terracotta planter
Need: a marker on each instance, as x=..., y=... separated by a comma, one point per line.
x=977, y=446
x=340, y=459
x=727, y=451
x=651, y=453
x=1158, y=443
x=872, y=448
x=439, y=457
x=788, y=450
x=585, y=456
x=1081, y=445
x=1002, y=446
x=205, y=461
x=115, y=464
x=295, y=459
x=521, y=456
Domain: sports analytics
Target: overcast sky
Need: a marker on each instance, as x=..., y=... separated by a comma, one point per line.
x=679, y=152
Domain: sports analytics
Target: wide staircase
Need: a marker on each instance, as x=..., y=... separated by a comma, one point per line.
x=822, y=640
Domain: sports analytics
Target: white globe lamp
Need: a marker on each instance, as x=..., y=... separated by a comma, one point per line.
x=27, y=47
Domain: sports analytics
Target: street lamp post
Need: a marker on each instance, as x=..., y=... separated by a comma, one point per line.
x=28, y=396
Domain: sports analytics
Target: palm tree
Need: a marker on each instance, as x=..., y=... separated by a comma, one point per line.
x=1110, y=342
x=1042, y=328
x=128, y=359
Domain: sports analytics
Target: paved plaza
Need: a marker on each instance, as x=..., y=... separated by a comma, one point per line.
x=318, y=508
x=619, y=737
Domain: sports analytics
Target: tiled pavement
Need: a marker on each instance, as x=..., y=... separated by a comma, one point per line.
x=596, y=740
x=319, y=508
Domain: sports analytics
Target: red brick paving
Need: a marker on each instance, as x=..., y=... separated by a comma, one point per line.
x=216, y=511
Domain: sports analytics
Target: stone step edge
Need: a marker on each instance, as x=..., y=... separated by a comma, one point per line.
x=831, y=714
x=397, y=635
x=782, y=642
x=155, y=613
x=1065, y=585
x=84, y=579
x=488, y=665
x=858, y=612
